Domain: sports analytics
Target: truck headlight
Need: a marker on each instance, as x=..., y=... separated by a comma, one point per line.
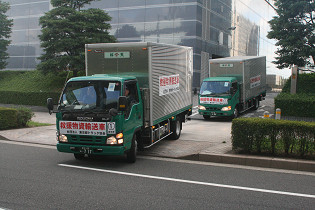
x=226, y=108
x=63, y=138
x=111, y=140
x=118, y=139
x=201, y=107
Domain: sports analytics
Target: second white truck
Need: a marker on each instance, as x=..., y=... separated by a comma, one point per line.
x=235, y=85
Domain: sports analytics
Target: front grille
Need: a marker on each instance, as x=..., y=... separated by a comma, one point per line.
x=87, y=139
x=213, y=109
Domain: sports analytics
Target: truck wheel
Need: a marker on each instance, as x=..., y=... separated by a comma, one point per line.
x=206, y=117
x=256, y=104
x=176, y=129
x=235, y=113
x=132, y=153
x=78, y=156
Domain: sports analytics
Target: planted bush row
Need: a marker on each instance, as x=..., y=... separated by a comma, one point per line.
x=298, y=105
x=14, y=118
x=301, y=104
x=276, y=137
x=27, y=98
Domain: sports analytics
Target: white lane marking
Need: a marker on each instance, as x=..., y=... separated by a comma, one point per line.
x=225, y=165
x=184, y=161
x=190, y=182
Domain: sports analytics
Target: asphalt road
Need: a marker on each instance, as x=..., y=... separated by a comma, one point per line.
x=38, y=177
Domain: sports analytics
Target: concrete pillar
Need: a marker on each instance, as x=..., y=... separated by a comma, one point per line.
x=266, y=114
x=278, y=114
x=294, y=79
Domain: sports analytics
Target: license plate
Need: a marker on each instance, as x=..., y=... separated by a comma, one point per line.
x=86, y=150
x=213, y=113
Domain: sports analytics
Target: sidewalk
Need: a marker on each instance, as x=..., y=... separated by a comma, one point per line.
x=212, y=151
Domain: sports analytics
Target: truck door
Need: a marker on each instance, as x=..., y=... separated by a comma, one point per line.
x=133, y=113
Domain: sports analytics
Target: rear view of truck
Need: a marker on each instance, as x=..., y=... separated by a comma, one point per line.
x=142, y=95
x=235, y=85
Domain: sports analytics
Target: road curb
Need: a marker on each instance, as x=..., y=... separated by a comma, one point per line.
x=247, y=160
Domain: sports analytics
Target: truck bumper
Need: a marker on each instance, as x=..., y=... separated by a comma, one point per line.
x=91, y=149
x=216, y=113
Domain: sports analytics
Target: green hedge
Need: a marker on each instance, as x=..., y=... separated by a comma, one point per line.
x=276, y=137
x=14, y=118
x=27, y=98
x=8, y=118
x=305, y=84
x=299, y=105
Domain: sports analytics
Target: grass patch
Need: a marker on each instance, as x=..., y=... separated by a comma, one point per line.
x=31, y=81
x=32, y=124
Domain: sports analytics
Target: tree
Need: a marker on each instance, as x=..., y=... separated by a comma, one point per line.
x=293, y=29
x=65, y=31
x=5, y=33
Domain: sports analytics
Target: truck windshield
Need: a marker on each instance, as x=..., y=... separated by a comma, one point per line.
x=215, y=88
x=86, y=95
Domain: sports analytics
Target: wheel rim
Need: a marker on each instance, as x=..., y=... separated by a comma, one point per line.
x=235, y=112
x=177, y=128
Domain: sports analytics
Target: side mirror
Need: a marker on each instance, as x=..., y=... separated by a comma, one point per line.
x=113, y=112
x=122, y=103
x=50, y=105
x=231, y=90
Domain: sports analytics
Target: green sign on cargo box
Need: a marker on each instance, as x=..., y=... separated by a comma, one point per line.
x=117, y=54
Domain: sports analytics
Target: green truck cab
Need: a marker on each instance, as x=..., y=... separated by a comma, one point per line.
x=236, y=84
x=131, y=107
x=218, y=97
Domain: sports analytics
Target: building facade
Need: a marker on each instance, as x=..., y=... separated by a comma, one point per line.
x=214, y=28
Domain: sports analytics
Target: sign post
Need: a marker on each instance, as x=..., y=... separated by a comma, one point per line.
x=294, y=79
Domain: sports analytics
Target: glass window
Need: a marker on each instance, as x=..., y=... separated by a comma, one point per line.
x=26, y=23
x=12, y=2
x=158, y=14
x=132, y=15
x=153, y=2
x=103, y=5
x=25, y=36
x=94, y=95
x=185, y=28
x=184, y=12
x=29, y=9
x=215, y=88
x=159, y=28
x=131, y=92
x=22, y=62
x=133, y=31
x=14, y=50
x=128, y=3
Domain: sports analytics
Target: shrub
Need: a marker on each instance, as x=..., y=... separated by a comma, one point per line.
x=27, y=98
x=299, y=105
x=305, y=84
x=14, y=118
x=276, y=137
x=24, y=115
x=8, y=118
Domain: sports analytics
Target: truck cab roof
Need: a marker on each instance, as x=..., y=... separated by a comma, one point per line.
x=108, y=77
x=220, y=79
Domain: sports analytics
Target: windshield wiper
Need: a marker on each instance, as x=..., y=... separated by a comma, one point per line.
x=211, y=94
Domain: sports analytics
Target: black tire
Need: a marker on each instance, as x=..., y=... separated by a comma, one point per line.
x=78, y=156
x=206, y=117
x=176, y=128
x=132, y=153
x=256, y=104
x=235, y=113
